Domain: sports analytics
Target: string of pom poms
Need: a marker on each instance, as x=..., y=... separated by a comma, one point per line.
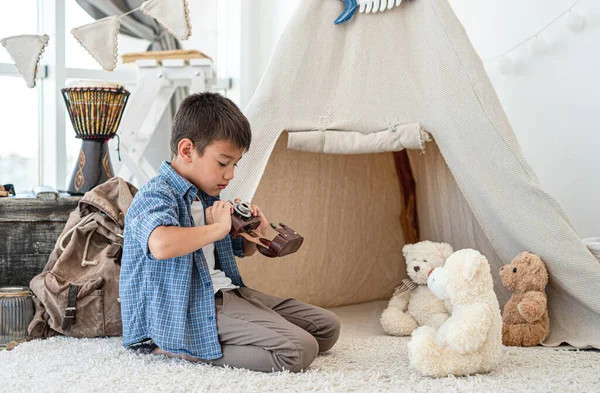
x=575, y=23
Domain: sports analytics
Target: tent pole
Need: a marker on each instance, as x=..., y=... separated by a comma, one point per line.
x=408, y=216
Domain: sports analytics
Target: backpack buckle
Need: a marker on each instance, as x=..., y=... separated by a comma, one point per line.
x=70, y=310
x=115, y=248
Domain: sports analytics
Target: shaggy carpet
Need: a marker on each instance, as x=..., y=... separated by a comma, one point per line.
x=358, y=364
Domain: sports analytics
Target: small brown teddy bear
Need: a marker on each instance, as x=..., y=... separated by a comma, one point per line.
x=525, y=320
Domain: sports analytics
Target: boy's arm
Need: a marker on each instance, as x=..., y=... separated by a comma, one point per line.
x=171, y=241
x=153, y=222
x=249, y=248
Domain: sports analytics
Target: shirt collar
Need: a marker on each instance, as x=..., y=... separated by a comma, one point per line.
x=180, y=184
x=187, y=189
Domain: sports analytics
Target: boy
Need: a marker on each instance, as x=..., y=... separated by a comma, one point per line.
x=180, y=288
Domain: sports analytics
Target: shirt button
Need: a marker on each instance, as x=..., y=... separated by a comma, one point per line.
x=208, y=284
x=210, y=318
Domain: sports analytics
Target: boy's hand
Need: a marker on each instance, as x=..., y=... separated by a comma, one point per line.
x=257, y=212
x=220, y=213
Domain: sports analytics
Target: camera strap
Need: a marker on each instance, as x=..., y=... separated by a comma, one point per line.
x=255, y=239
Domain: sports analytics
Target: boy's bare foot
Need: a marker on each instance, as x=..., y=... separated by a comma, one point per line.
x=158, y=351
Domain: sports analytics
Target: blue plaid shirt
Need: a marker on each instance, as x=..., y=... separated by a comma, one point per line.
x=171, y=301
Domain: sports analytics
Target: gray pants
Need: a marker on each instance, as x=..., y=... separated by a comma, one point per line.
x=266, y=333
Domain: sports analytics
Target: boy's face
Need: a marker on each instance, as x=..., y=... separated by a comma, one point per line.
x=213, y=170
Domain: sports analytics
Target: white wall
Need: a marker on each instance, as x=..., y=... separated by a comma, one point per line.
x=263, y=22
x=216, y=31
x=552, y=101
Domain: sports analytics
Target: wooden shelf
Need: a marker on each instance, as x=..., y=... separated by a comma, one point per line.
x=180, y=54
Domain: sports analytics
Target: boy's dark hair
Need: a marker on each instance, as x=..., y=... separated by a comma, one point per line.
x=208, y=117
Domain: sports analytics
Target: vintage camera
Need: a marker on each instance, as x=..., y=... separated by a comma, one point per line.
x=243, y=224
x=242, y=220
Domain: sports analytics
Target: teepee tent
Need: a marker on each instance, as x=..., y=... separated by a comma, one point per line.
x=332, y=118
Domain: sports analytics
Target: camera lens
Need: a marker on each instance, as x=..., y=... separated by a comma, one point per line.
x=242, y=210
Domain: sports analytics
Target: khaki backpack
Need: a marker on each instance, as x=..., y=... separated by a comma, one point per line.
x=77, y=292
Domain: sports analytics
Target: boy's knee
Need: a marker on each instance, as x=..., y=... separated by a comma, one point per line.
x=307, y=349
x=329, y=332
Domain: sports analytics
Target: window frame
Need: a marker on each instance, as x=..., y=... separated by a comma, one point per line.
x=52, y=77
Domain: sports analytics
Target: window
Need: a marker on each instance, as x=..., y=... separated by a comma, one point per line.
x=228, y=45
x=77, y=58
x=76, y=55
x=19, y=149
x=19, y=129
x=22, y=19
x=37, y=141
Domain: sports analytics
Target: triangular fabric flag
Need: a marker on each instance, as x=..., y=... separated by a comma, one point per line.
x=26, y=51
x=100, y=39
x=173, y=15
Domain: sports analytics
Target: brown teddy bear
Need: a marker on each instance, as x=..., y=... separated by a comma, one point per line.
x=525, y=320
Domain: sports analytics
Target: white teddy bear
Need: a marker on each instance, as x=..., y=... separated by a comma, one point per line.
x=413, y=304
x=470, y=341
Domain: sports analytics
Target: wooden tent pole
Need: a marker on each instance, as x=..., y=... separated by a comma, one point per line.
x=408, y=216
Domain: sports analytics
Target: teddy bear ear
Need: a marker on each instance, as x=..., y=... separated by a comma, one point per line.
x=444, y=250
x=406, y=249
x=524, y=256
x=472, y=265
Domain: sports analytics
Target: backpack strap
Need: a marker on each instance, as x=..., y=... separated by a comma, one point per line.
x=70, y=310
x=84, y=220
x=116, y=248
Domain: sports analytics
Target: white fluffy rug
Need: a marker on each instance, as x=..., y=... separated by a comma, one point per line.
x=355, y=364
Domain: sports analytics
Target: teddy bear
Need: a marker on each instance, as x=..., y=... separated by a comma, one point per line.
x=470, y=341
x=525, y=317
x=412, y=304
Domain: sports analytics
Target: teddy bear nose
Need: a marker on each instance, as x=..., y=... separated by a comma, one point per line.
x=417, y=268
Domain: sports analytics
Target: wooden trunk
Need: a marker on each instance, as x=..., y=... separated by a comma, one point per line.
x=29, y=229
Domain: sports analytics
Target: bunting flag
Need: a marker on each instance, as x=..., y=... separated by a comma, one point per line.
x=100, y=39
x=26, y=51
x=173, y=15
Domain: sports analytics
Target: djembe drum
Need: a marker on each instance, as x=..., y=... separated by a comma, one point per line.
x=95, y=109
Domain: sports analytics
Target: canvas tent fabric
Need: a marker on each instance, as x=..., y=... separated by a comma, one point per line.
x=378, y=75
